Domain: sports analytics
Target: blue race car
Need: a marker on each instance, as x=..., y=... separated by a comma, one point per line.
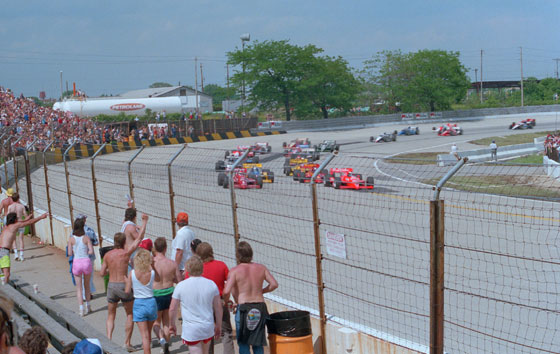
x=410, y=131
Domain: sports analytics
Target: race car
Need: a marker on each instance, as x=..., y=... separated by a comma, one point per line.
x=255, y=170
x=242, y=180
x=410, y=131
x=327, y=145
x=262, y=148
x=385, y=137
x=300, y=142
x=345, y=178
x=520, y=126
x=293, y=163
x=448, y=130
x=530, y=121
x=304, y=172
x=232, y=156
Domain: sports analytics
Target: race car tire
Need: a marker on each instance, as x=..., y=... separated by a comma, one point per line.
x=369, y=181
x=337, y=183
x=287, y=171
x=226, y=154
x=269, y=148
x=296, y=175
x=417, y=131
x=394, y=137
x=302, y=179
x=284, y=144
x=220, y=165
x=530, y=126
x=255, y=159
x=271, y=177
x=259, y=182
x=221, y=177
x=371, y=139
x=461, y=132
x=226, y=183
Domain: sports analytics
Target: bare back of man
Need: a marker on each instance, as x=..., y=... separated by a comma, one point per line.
x=19, y=209
x=246, y=282
x=5, y=204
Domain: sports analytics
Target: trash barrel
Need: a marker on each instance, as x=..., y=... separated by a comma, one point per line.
x=102, y=252
x=290, y=332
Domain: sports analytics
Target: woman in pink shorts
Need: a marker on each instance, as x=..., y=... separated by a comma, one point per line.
x=80, y=246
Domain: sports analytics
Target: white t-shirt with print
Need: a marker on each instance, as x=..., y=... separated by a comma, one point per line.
x=182, y=241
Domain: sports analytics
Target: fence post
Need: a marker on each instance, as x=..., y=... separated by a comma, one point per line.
x=130, y=184
x=14, y=160
x=68, y=191
x=231, y=187
x=95, y=199
x=171, y=193
x=28, y=183
x=318, y=253
x=6, y=154
x=437, y=262
x=47, y=189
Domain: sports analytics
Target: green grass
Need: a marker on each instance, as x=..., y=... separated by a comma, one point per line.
x=416, y=158
x=511, y=139
x=510, y=185
x=529, y=159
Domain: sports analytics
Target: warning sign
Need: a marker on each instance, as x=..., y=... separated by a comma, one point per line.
x=336, y=245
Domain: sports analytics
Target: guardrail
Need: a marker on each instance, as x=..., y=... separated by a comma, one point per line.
x=482, y=155
x=368, y=121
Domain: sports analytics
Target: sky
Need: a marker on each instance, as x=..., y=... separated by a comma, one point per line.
x=110, y=47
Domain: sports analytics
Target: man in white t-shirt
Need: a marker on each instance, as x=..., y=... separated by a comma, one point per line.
x=181, y=244
x=201, y=308
x=493, y=151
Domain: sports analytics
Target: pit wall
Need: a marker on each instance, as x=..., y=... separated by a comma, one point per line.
x=340, y=339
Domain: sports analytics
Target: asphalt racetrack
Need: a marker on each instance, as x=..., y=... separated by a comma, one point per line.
x=502, y=259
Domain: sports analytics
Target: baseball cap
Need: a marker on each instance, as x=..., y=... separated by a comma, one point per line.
x=9, y=192
x=183, y=218
x=88, y=346
x=147, y=244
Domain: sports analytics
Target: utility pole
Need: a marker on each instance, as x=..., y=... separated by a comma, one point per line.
x=61, y=94
x=196, y=84
x=227, y=77
x=521, y=62
x=556, y=60
x=476, y=79
x=201, y=79
x=481, y=89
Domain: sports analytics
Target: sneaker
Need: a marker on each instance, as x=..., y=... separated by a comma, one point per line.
x=21, y=257
x=82, y=314
x=16, y=257
x=88, y=308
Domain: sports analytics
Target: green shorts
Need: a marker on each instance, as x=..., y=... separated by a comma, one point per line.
x=5, y=260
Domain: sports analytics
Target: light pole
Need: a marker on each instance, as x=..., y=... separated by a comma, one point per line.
x=61, y=94
x=246, y=37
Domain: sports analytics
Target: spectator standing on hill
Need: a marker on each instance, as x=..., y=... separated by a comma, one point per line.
x=94, y=241
x=493, y=151
x=6, y=202
x=245, y=283
x=131, y=230
x=181, y=251
x=217, y=271
x=167, y=274
x=19, y=209
x=115, y=263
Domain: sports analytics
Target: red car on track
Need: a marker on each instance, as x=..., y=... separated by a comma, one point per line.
x=305, y=171
x=345, y=178
x=241, y=180
x=448, y=130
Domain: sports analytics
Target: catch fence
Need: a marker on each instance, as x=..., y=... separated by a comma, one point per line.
x=475, y=273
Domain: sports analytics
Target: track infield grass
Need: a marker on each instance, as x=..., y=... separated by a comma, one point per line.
x=513, y=139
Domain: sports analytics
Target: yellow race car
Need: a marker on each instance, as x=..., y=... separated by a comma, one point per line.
x=255, y=170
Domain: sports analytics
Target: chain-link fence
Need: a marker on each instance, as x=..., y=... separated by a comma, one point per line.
x=366, y=258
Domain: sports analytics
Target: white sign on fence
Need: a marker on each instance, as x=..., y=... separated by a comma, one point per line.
x=336, y=245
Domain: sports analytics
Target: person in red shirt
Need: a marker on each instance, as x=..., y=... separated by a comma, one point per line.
x=217, y=271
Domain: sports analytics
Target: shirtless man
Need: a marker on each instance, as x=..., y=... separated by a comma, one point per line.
x=19, y=209
x=245, y=283
x=5, y=204
x=115, y=263
x=131, y=231
x=7, y=238
x=167, y=274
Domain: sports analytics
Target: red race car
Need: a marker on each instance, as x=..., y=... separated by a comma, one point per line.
x=262, y=148
x=529, y=121
x=448, y=130
x=242, y=181
x=345, y=178
x=305, y=171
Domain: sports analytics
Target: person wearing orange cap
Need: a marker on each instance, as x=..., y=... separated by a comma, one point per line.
x=181, y=244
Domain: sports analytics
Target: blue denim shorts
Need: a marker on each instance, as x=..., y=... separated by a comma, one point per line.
x=144, y=310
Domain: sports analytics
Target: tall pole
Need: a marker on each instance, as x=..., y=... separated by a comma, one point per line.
x=196, y=84
x=61, y=92
x=171, y=192
x=521, y=63
x=227, y=79
x=201, y=79
x=47, y=190
x=481, y=89
x=95, y=197
x=476, y=79
x=556, y=60
x=243, y=83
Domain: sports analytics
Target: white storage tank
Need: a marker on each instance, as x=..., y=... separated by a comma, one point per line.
x=114, y=106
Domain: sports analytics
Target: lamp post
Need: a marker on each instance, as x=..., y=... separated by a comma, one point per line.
x=61, y=93
x=246, y=37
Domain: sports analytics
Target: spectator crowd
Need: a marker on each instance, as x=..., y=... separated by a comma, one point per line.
x=551, y=144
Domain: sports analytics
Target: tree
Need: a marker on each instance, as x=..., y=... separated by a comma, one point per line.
x=160, y=84
x=425, y=80
x=328, y=84
x=220, y=94
x=273, y=72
